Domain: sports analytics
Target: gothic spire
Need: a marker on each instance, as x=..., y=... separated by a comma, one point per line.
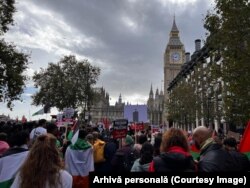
x=120, y=99
x=174, y=27
x=151, y=94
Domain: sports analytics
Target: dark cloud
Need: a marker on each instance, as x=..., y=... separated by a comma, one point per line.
x=126, y=38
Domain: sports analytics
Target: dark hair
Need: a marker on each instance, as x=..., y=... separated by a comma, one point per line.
x=142, y=139
x=3, y=136
x=51, y=127
x=174, y=137
x=19, y=138
x=230, y=142
x=146, y=152
x=42, y=122
x=82, y=133
x=157, y=144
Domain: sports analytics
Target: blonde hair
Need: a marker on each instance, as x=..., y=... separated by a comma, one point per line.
x=42, y=165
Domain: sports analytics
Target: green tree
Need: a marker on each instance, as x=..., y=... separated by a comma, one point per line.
x=69, y=83
x=229, y=38
x=12, y=62
x=7, y=9
x=182, y=104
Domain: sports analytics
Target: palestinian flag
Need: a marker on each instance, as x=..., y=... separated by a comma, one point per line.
x=244, y=146
x=192, y=148
x=74, y=132
x=10, y=163
x=79, y=161
x=194, y=151
x=39, y=112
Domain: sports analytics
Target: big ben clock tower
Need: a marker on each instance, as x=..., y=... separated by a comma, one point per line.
x=173, y=60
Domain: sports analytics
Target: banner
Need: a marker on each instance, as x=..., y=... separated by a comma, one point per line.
x=120, y=128
x=137, y=126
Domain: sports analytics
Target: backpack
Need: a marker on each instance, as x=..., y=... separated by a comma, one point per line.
x=99, y=151
x=129, y=160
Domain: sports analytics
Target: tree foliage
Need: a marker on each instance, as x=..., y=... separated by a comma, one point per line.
x=66, y=84
x=7, y=10
x=229, y=36
x=12, y=62
x=182, y=104
x=12, y=79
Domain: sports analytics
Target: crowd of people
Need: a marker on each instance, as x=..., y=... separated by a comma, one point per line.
x=42, y=155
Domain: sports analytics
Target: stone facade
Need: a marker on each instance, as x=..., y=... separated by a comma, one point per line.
x=155, y=107
x=101, y=109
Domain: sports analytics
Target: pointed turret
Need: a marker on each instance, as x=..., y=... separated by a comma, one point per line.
x=157, y=92
x=151, y=93
x=174, y=27
x=120, y=99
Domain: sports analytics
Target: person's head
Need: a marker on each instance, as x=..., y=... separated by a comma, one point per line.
x=42, y=123
x=96, y=135
x=42, y=164
x=230, y=144
x=146, y=153
x=142, y=139
x=174, y=137
x=127, y=141
x=200, y=135
x=52, y=129
x=82, y=133
x=19, y=138
x=157, y=144
x=3, y=136
x=90, y=138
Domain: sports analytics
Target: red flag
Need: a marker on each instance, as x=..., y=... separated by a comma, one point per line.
x=24, y=120
x=244, y=146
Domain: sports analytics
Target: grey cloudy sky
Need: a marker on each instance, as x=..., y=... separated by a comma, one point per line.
x=125, y=38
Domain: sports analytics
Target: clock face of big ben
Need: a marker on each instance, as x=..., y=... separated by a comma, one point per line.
x=175, y=57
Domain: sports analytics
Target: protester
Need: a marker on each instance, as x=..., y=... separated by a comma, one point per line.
x=99, y=158
x=241, y=159
x=124, y=157
x=13, y=158
x=79, y=160
x=141, y=139
x=90, y=138
x=157, y=144
x=43, y=167
x=53, y=129
x=39, y=130
x=110, y=149
x=146, y=157
x=174, y=155
x=213, y=158
x=3, y=143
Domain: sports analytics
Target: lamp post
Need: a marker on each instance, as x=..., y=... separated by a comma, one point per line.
x=86, y=102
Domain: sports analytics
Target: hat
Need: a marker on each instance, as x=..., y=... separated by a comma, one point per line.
x=37, y=132
x=129, y=140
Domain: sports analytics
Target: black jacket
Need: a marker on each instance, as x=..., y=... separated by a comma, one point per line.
x=176, y=162
x=242, y=161
x=213, y=158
